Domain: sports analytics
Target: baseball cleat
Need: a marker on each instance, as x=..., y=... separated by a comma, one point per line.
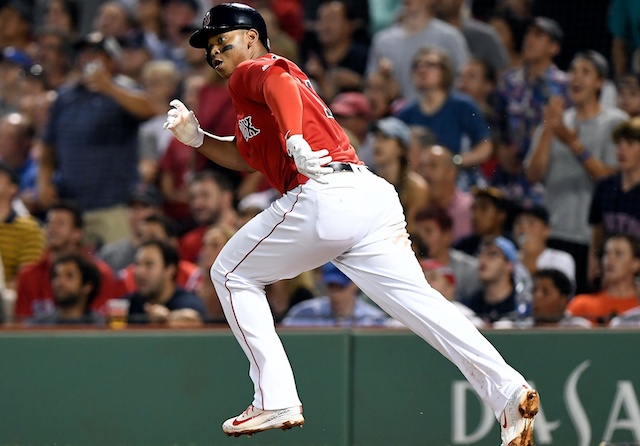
x=254, y=420
x=516, y=421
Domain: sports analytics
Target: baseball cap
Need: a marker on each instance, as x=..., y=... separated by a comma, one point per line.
x=550, y=27
x=535, y=210
x=16, y=56
x=146, y=193
x=333, y=276
x=351, y=104
x=11, y=172
x=598, y=60
x=506, y=246
x=108, y=44
x=493, y=193
x=395, y=128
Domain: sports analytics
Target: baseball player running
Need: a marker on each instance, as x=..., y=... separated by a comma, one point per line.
x=332, y=209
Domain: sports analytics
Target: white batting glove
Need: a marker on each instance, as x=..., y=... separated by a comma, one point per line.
x=308, y=162
x=184, y=125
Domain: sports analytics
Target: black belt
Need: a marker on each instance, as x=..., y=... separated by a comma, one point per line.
x=340, y=167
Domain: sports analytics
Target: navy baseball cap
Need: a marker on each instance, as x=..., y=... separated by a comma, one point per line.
x=333, y=276
x=536, y=210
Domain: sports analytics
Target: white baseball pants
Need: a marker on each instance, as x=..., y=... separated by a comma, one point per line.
x=356, y=221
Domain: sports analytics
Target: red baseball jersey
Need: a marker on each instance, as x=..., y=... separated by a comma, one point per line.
x=258, y=137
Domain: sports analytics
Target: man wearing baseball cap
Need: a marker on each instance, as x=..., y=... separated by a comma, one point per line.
x=525, y=90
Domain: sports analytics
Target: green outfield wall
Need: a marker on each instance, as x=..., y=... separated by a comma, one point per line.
x=367, y=388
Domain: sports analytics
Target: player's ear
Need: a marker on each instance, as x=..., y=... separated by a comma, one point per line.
x=252, y=37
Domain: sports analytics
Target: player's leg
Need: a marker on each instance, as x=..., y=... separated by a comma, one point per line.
x=383, y=265
x=279, y=243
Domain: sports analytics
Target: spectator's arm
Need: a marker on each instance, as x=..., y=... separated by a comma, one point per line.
x=47, y=194
x=478, y=154
x=619, y=56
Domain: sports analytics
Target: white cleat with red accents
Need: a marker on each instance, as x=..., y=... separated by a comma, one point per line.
x=254, y=420
x=516, y=421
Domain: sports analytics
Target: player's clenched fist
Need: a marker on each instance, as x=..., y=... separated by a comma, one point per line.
x=309, y=163
x=184, y=125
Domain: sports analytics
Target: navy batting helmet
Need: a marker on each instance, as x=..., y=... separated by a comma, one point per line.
x=227, y=17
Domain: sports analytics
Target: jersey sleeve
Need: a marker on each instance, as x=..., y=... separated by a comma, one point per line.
x=248, y=79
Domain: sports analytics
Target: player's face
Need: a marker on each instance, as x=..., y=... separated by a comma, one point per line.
x=228, y=50
x=548, y=304
x=584, y=81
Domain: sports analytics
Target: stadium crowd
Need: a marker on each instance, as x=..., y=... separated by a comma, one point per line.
x=519, y=175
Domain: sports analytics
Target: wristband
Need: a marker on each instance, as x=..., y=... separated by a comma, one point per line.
x=584, y=156
x=457, y=160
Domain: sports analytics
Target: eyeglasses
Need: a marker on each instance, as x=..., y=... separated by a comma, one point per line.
x=425, y=64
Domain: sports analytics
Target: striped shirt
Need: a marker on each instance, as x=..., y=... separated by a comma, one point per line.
x=22, y=240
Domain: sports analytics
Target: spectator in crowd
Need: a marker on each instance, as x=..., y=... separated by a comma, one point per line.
x=390, y=155
x=21, y=238
x=144, y=200
x=53, y=53
x=511, y=29
x=433, y=236
x=524, y=91
x=160, y=79
x=64, y=230
x=16, y=24
x=489, y=213
x=157, y=298
x=16, y=138
x=176, y=15
x=282, y=43
x=353, y=112
x=383, y=92
x=437, y=167
x=624, y=25
x=478, y=80
x=531, y=232
x=341, y=307
x=615, y=206
x=135, y=56
x=441, y=278
x=483, y=41
x=75, y=282
x=148, y=15
x=552, y=290
x=496, y=269
x=211, y=203
x=629, y=94
x=113, y=19
x=214, y=239
x=338, y=63
x=90, y=142
x=619, y=292
x=14, y=64
x=451, y=116
x=161, y=227
x=400, y=42
x=63, y=15
x=570, y=151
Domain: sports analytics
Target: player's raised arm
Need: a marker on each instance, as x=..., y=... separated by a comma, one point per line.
x=221, y=150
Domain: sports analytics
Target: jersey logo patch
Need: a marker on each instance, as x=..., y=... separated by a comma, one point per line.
x=247, y=129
